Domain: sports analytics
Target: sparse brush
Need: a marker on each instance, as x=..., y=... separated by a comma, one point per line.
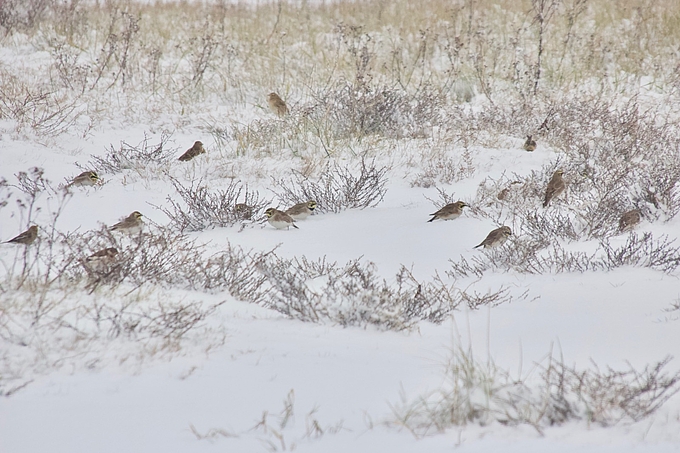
x=143, y=156
x=354, y=111
x=37, y=106
x=444, y=168
x=354, y=295
x=528, y=256
x=482, y=393
x=277, y=430
x=337, y=188
x=203, y=208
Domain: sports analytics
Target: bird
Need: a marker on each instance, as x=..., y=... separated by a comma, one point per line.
x=277, y=104
x=450, y=211
x=28, y=237
x=243, y=211
x=529, y=145
x=503, y=194
x=629, y=219
x=496, y=238
x=99, y=260
x=192, y=152
x=86, y=178
x=301, y=210
x=555, y=187
x=103, y=255
x=132, y=224
x=279, y=219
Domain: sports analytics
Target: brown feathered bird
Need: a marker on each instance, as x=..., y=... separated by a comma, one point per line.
x=496, y=238
x=104, y=254
x=301, y=211
x=28, y=237
x=450, y=211
x=629, y=219
x=279, y=219
x=243, y=211
x=192, y=152
x=555, y=187
x=101, y=259
x=530, y=144
x=277, y=104
x=86, y=178
x=132, y=224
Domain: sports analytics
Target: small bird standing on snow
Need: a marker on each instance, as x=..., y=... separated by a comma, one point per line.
x=277, y=104
x=301, y=211
x=86, y=178
x=279, y=219
x=530, y=144
x=131, y=225
x=555, y=187
x=450, y=211
x=496, y=238
x=28, y=237
x=629, y=220
x=192, y=152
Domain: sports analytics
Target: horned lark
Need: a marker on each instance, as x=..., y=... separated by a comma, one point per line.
x=279, y=219
x=192, y=152
x=629, y=219
x=496, y=238
x=503, y=194
x=555, y=187
x=277, y=105
x=530, y=144
x=131, y=225
x=86, y=178
x=450, y=211
x=301, y=210
x=28, y=237
x=104, y=254
x=100, y=259
x=243, y=211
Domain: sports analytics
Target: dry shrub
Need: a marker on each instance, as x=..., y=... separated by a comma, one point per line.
x=37, y=106
x=203, y=208
x=482, y=393
x=155, y=157
x=528, y=256
x=337, y=188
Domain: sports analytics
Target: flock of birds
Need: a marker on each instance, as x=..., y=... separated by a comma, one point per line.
x=133, y=224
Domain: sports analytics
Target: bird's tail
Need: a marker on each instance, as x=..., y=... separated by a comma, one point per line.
x=432, y=219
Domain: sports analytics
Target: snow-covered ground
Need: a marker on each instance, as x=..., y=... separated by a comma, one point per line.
x=247, y=378
x=344, y=379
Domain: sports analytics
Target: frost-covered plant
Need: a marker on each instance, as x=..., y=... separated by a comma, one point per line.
x=36, y=105
x=202, y=208
x=528, y=256
x=143, y=156
x=480, y=393
x=337, y=188
x=353, y=294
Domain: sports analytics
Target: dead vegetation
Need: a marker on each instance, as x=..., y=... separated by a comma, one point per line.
x=482, y=394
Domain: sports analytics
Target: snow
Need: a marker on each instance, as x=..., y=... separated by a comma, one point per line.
x=210, y=395
x=350, y=376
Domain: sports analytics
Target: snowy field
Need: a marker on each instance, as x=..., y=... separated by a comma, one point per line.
x=367, y=328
